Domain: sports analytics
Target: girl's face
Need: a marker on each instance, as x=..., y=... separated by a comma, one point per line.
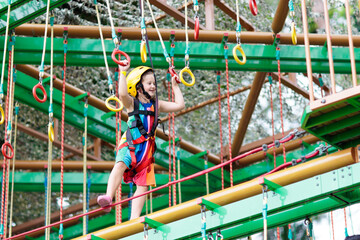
x=148, y=82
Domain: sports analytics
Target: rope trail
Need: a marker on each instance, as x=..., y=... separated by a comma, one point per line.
x=220, y=130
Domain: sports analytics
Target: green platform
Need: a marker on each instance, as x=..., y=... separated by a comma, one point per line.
x=337, y=123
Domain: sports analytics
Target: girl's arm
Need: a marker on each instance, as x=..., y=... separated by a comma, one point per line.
x=173, y=106
x=125, y=98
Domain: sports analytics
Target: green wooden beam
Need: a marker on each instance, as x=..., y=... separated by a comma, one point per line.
x=22, y=11
x=88, y=52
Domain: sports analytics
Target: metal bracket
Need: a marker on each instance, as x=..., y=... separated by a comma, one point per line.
x=155, y=224
x=212, y=206
x=273, y=186
x=225, y=38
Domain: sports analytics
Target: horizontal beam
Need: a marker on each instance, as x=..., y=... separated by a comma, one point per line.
x=88, y=52
x=297, y=204
x=236, y=193
x=24, y=11
x=204, y=35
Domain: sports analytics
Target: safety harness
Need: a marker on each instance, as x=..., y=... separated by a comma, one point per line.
x=145, y=136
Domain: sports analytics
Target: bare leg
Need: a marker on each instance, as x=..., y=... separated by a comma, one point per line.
x=138, y=203
x=115, y=178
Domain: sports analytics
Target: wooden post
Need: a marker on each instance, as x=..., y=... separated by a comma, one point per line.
x=97, y=147
x=209, y=15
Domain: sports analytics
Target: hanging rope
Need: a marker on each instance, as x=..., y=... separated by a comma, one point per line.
x=110, y=82
x=218, y=75
x=309, y=228
x=169, y=137
x=186, y=69
x=264, y=210
x=61, y=235
x=85, y=177
x=346, y=230
x=290, y=236
x=203, y=221
x=118, y=208
x=6, y=148
x=272, y=116
x=3, y=63
x=238, y=39
x=173, y=145
x=51, y=135
x=178, y=163
x=13, y=171
x=228, y=108
x=197, y=24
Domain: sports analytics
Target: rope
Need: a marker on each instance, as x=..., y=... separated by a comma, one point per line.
x=118, y=137
x=113, y=34
x=48, y=208
x=228, y=108
x=85, y=195
x=62, y=136
x=4, y=54
x=173, y=145
x=346, y=231
x=272, y=118
x=169, y=139
x=280, y=96
x=195, y=175
x=41, y=73
x=332, y=225
x=178, y=162
x=264, y=210
x=220, y=130
x=110, y=82
x=187, y=49
x=166, y=55
x=13, y=171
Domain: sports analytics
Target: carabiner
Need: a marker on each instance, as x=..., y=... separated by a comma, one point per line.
x=239, y=48
x=119, y=62
x=114, y=98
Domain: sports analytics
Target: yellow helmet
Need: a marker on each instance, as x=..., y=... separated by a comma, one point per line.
x=134, y=77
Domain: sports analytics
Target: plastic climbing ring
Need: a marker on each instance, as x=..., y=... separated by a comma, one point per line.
x=3, y=150
x=143, y=53
x=114, y=98
x=187, y=70
x=41, y=87
x=173, y=74
x=2, y=115
x=239, y=48
x=293, y=33
x=196, y=29
x=51, y=134
x=253, y=7
x=119, y=62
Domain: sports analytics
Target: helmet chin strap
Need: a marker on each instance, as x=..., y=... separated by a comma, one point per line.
x=146, y=94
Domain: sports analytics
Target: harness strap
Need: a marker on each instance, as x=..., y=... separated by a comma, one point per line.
x=131, y=145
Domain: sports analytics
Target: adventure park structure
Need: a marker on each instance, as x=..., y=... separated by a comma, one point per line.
x=244, y=190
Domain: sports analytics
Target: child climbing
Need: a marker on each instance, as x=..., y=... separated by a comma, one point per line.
x=135, y=155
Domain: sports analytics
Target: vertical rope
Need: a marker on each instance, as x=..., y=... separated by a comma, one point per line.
x=169, y=139
x=220, y=130
x=272, y=118
x=173, y=145
x=229, y=119
x=346, y=231
x=118, y=207
x=13, y=171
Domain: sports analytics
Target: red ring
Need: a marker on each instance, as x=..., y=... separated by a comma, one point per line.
x=3, y=149
x=196, y=29
x=253, y=7
x=39, y=85
x=172, y=72
x=119, y=62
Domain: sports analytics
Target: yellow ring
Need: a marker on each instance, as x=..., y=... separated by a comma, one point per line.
x=293, y=34
x=2, y=115
x=143, y=52
x=114, y=98
x=187, y=70
x=51, y=132
x=238, y=47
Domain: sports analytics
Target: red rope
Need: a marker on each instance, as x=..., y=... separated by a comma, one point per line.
x=281, y=109
x=173, y=143
x=278, y=233
x=221, y=137
x=62, y=140
x=170, y=193
x=5, y=162
x=345, y=217
x=201, y=173
x=272, y=123
x=228, y=108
